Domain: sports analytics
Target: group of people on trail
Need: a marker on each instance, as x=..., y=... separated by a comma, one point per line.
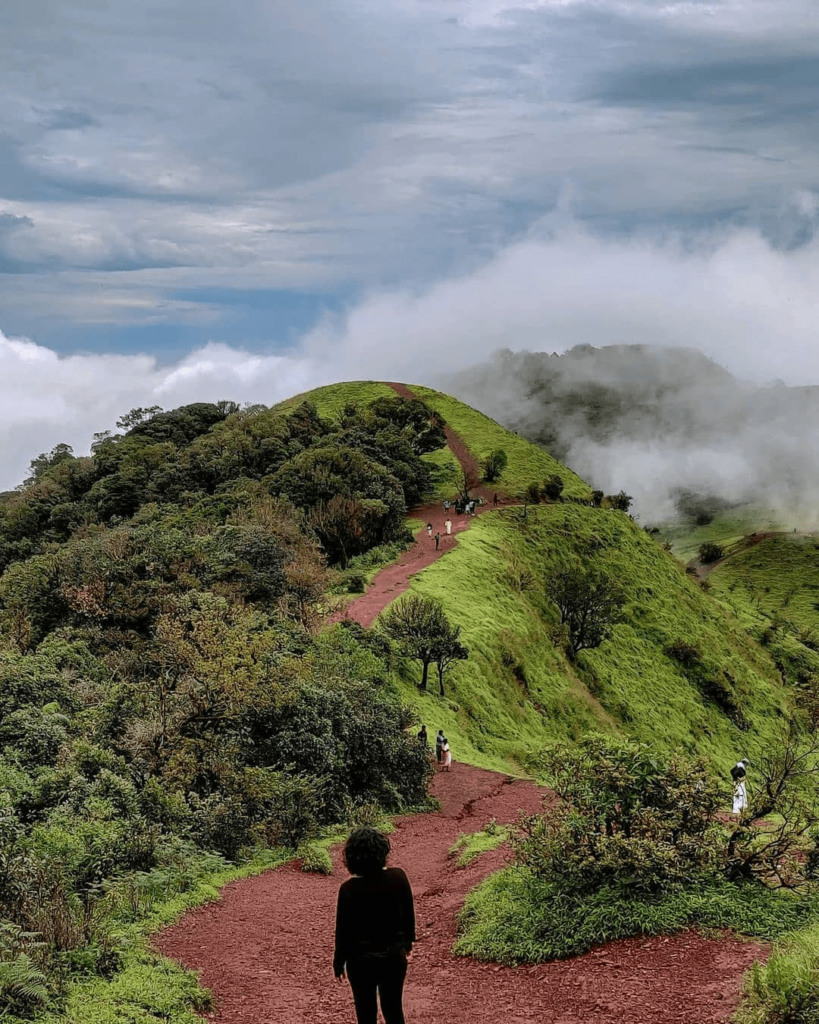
x=739, y=794
x=443, y=755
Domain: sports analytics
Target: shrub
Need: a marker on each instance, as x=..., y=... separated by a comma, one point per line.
x=625, y=818
x=553, y=487
x=710, y=552
x=315, y=859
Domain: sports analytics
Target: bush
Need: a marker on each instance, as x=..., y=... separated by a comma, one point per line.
x=315, y=859
x=553, y=487
x=494, y=464
x=625, y=818
x=710, y=552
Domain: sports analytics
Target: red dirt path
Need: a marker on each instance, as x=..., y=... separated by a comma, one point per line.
x=265, y=948
x=395, y=579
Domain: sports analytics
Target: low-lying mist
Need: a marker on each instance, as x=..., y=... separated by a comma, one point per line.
x=658, y=423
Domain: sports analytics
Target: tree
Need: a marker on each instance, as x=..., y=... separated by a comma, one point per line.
x=621, y=501
x=37, y=467
x=468, y=482
x=137, y=416
x=590, y=603
x=769, y=840
x=494, y=464
x=532, y=494
x=553, y=487
x=420, y=626
x=448, y=649
x=597, y=499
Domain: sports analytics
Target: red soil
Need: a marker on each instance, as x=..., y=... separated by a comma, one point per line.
x=395, y=578
x=265, y=949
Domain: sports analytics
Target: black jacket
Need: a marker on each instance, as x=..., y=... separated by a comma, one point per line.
x=375, y=914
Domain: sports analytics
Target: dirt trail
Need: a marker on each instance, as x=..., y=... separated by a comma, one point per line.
x=704, y=569
x=265, y=948
x=395, y=579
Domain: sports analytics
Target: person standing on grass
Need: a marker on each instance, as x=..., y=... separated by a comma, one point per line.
x=740, y=793
x=447, y=755
x=422, y=735
x=448, y=527
x=439, y=746
x=375, y=928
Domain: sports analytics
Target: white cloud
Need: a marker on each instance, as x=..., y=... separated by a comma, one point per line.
x=747, y=305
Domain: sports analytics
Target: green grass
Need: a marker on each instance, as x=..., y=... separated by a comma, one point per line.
x=518, y=690
x=446, y=473
x=332, y=398
x=513, y=917
x=482, y=435
x=727, y=528
x=785, y=990
x=470, y=845
x=777, y=577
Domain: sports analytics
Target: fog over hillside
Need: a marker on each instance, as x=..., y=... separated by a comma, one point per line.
x=654, y=420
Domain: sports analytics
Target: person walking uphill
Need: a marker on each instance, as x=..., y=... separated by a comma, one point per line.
x=375, y=928
x=439, y=746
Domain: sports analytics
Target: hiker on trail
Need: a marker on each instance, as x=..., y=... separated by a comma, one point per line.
x=446, y=505
x=422, y=735
x=740, y=793
x=447, y=755
x=448, y=527
x=429, y=529
x=437, y=540
x=439, y=746
x=495, y=499
x=375, y=928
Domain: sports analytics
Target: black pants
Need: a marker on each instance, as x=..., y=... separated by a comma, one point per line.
x=383, y=974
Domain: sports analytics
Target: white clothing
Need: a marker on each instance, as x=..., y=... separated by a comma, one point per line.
x=740, y=797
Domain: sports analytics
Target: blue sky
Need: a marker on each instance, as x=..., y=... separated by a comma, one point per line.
x=393, y=186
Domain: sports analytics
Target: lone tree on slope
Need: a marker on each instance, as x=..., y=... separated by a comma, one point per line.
x=590, y=602
x=494, y=464
x=420, y=626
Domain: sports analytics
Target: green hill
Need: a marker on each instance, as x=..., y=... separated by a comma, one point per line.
x=170, y=687
x=518, y=688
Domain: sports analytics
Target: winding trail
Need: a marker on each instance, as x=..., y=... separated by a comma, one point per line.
x=265, y=949
x=394, y=579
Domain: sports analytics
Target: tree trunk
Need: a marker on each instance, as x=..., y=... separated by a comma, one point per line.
x=441, y=678
x=423, y=684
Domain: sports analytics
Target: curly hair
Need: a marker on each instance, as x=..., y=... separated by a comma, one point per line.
x=366, y=851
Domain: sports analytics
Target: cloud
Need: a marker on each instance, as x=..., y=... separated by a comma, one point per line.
x=368, y=144
x=745, y=303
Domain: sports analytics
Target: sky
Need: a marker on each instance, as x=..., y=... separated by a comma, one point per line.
x=201, y=200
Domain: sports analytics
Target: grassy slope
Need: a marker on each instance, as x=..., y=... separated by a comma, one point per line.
x=332, y=398
x=518, y=689
x=777, y=577
x=726, y=528
x=527, y=462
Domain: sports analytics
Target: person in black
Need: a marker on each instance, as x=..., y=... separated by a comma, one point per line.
x=439, y=746
x=437, y=540
x=375, y=928
x=422, y=735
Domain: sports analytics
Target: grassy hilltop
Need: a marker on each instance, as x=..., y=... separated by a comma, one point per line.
x=518, y=688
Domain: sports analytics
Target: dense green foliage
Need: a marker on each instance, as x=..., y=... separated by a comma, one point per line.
x=161, y=679
x=632, y=847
